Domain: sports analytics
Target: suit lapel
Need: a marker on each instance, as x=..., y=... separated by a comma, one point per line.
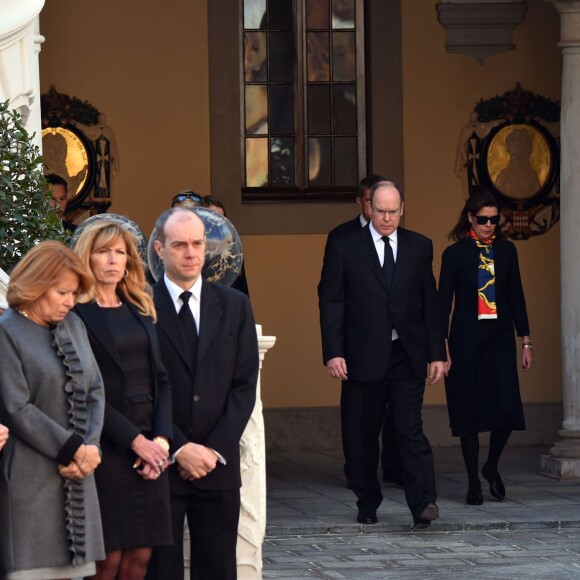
x=403, y=252
x=210, y=317
x=168, y=321
x=369, y=252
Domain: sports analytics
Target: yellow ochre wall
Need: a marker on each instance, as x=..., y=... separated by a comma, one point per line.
x=147, y=70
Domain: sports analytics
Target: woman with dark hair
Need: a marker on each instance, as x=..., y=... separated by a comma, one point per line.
x=119, y=315
x=480, y=272
x=52, y=400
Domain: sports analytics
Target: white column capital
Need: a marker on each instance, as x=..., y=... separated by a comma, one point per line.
x=569, y=11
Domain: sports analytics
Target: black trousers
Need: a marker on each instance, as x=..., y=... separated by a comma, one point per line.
x=212, y=518
x=365, y=414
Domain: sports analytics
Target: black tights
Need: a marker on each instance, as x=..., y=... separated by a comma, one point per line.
x=470, y=448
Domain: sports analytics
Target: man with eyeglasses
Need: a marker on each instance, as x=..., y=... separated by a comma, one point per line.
x=390, y=457
x=380, y=330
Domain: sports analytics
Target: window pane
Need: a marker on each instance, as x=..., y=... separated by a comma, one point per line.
x=342, y=13
x=281, y=51
x=282, y=156
x=343, y=56
x=281, y=109
x=317, y=12
x=255, y=14
x=256, y=162
x=280, y=14
x=256, y=110
x=318, y=56
x=319, y=162
x=344, y=108
x=255, y=56
x=345, y=161
x=318, y=109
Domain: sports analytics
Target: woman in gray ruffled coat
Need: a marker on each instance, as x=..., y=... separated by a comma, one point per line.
x=52, y=400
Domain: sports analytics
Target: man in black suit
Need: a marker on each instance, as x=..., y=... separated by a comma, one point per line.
x=390, y=456
x=209, y=348
x=380, y=327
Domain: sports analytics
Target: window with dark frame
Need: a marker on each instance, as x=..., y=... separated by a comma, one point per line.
x=303, y=114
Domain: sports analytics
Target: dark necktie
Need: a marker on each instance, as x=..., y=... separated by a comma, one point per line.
x=188, y=326
x=388, y=262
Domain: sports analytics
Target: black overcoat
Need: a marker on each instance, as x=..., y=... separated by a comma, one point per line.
x=213, y=402
x=117, y=429
x=482, y=387
x=358, y=311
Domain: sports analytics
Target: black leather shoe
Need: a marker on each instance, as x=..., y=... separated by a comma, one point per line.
x=427, y=515
x=474, y=497
x=496, y=486
x=366, y=518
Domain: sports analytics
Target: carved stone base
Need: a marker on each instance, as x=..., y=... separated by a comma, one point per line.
x=564, y=459
x=564, y=469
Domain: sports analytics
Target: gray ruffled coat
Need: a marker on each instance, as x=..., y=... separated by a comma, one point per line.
x=51, y=394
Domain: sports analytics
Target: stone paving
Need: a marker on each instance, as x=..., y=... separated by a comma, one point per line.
x=312, y=532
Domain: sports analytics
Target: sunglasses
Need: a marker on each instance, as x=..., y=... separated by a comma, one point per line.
x=181, y=197
x=483, y=219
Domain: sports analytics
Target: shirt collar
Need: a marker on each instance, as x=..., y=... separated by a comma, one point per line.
x=175, y=291
x=376, y=236
x=362, y=220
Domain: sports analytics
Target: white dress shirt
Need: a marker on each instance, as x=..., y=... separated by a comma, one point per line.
x=194, y=302
x=380, y=248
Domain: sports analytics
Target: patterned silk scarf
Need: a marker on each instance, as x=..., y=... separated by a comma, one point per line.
x=486, y=305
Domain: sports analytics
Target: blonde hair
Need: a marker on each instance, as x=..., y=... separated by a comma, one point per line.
x=40, y=269
x=133, y=286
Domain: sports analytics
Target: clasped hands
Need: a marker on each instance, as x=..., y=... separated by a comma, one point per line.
x=84, y=462
x=152, y=458
x=195, y=461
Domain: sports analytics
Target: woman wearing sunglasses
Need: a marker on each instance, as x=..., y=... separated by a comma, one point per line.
x=480, y=273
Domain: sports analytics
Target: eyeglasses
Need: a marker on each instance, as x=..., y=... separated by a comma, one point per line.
x=483, y=219
x=383, y=213
x=181, y=197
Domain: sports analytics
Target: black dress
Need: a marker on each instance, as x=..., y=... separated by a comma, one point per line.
x=482, y=387
x=135, y=512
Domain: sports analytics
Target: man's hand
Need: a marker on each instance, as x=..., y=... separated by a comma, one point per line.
x=337, y=368
x=436, y=371
x=195, y=461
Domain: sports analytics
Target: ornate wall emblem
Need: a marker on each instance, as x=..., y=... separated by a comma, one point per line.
x=511, y=148
x=79, y=147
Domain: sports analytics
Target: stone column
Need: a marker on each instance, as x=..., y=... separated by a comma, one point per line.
x=19, y=48
x=563, y=462
x=252, y=526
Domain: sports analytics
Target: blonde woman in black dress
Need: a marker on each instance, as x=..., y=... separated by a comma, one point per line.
x=133, y=488
x=480, y=278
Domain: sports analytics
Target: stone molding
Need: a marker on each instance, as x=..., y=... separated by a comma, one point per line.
x=480, y=29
